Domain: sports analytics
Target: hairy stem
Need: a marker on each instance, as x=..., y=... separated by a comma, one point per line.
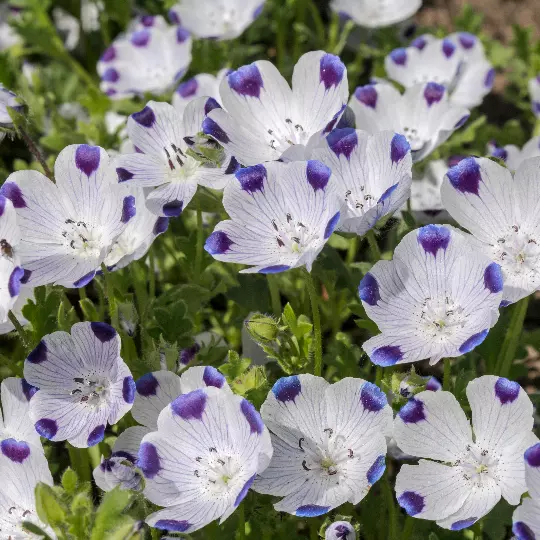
x=511, y=340
x=317, y=337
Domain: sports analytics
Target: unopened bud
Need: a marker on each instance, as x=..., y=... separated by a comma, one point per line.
x=262, y=328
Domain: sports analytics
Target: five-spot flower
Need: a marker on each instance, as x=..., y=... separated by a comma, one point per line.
x=340, y=530
x=376, y=14
x=83, y=384
x=8, y=100
x=437, y=298
x=463, y=476
x=512, y=155
x=329, y=442
x=282, y=215
x=534, y=92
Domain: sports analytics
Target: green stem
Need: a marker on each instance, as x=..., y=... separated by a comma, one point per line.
x=80, y=463
x=391, y=507
x=241, y=531
x=313, y=530
x=333, y=32
x=300, y=20
x=511, y=340
x=82, y=293
x=378, y=376
x=200, y=245
x=317, y=337
x=281, y=34
x=373, y=246
x=109, y=297
x=152, y=275
x=408, y=529
x=94, y=454
x=351, y=252
x=275, y=298
x=20, y=330
x=81, y=72
x=35, y=151
x=347, y=29
x=447, y=377
x=317, y=21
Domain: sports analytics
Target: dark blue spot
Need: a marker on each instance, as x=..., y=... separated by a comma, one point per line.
x=128, y=208
x=331, y=225
x=16, y=451
x=419, y=43
x=493, y=278
x=376, y=470
x=318, y=174
x=39, y=354
x=111, y=75
x=28, y=389
x=147, y=20
x=507, y=391
x=532, y=455
x=2, y=204
x=463, y=524
x=148, y=460
x=332, y=124
x=147, y=385
x=343, y=141
x=128, y=390
x=448, y=48
x=181, y=34
x=188, y=354
x=233, y=167
x=244, y=491
x=387, y=193
x=461, y=121
x=14, y=283
x=13, y=192
x=172, y=525
x=287, y=388
x=490, y=78
x=432, y=238
x=85, y=280
x=412, y=412
x=145, y=118
x=87, y=158
x=212, y=377
x=160, y=226
x=331, y=70
x=252, y=178
x=211, y=128
x=372, y=397
x=523, y=531
x=46, y=428
x=103, y=331
x=368, y=290
x=473, y=342
x=252, y=416
x=140, y=38
x=433, y=384
x=173, y=17
x=124, y=174
x=211, y=104
x=96, y=435
x=399, y=56
x=218, y=243
x=190, y=406
x=433, y=93
x=108, y=55
x=466, y=176
x=258, y=11
x=246, y=81
x=188, y=88
x=411, y=502
x=499, y=152
x=110, y=92
x=536, y=107
x=386, y=356
x=276, y=269
x=467, y=40
x=311, y=510
x=399, y=147
x=173, y=208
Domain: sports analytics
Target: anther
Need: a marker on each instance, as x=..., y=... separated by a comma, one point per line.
x=306, y=468
x=300, y=440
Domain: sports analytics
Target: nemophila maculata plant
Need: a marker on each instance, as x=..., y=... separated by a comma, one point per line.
x=268, y=269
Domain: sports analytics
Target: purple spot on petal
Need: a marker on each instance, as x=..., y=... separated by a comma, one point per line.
x=145, y=118
x=461, y=121
x=190, y=406
x=147, y=20
x=532, y=456
x=372, y=397
x=128, y=208
x=233, y=166
x=108, y=55
x=287, y=388
x=258, y=11
x=218, y=243
x=147, y=385
x=46, y=428
x=246, y=81
x=172, y=524
x=85, y=280
x=210, y=127
x=173, y=208
x=188, y=354
x=343, y=141
x=110, y=92
x=212, y=377
x=465, y=176
x=96, y=435
x=103, y=331
x=399, y=147
x=244, y=491
x=160, y=226
x=433, y=385
x=412, y=412
x=124, y=174
x=14, y=283
x=523, y=531
x=433, y=93
x=331, y=225
x=419, y=43
x=463, y=524
x=181, y=35
x=490, y=78
x=275, y=269
x=368, y=290
x=318, y=174
x=411, y=502
x=210, y=105
x=448, y=48
x=140, y=38
x=311, y=510
x=39, y=354
x=2, y=204
x=128, y=389
x=493, y=278
x=111, y=75
x=376, y=470
x=387, y=193
x=507, y=391
x=148, y=460
x=87, y=158
x=252, y=178
x=252, y=416
x=467, y=40
x=367, y=95
x=331, y=70
x=399, y=56
x=28, y=389
x=432, y=238
x=16, y=451
x=473, y=342
x=188, y=89
x=174, y=17
x=386, y=356
x=13, y=192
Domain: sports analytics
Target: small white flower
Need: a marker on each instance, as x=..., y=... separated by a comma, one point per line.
x=512, y=155
x=423, y=114
x=68, y=228
x=436, y=299
x=534, y=92
x=281, y=216
x=376, y=14
x=500, y=210
x=68, y=26
x=150, y=59
x=462, y=478
x=527, y=516
x=372, y=173
x=25, y=294
x=218, y=19
x=202, y=85
x=340, y=530
x=329, y=442
x=22, y=461
x=170, y=160
x=83, y=384
x=7, y=99
x=8, y=36
x=263, y=118
x=200, y=463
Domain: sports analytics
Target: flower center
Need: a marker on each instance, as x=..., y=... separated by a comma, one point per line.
x=181, y=166
x=91, y=391
x=288, y=134
x=518, y=252
x=440, y=318
x=82, y=239
x=478, y=464
x=293, y=236
x=359, y=204
x=217, y=470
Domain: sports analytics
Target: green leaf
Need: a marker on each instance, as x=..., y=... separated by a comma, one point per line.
x=70, y=480
x=113, y=504
x=49, y=508
x=289, y=318
x=172, y=321
x=32, y=528
x=89, y=310
x=368, y=325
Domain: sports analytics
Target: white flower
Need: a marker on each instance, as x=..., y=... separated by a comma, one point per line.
x=376, y=14
x=218, y=19
x=437, y=298
x=500, y=210
x=200, y=463
x=457, y=62
x=68, y=228
x=150, y=59
x=340, y=530
x=22, y=461
x=136, y=239
x=462, y=477
x=154, y=391
x=527, y=516
x=329, y=442
x=263, y=118
x=8, y=36
x=204, y=340
x=202, y=85
x=83, y=384
x=423, y=114
x=512, y=155
x=372, y=173
x=7, y=99
x=170, y=160
x=281, y=216
x=534, y=92
x=25, y=294
x=68, y=26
